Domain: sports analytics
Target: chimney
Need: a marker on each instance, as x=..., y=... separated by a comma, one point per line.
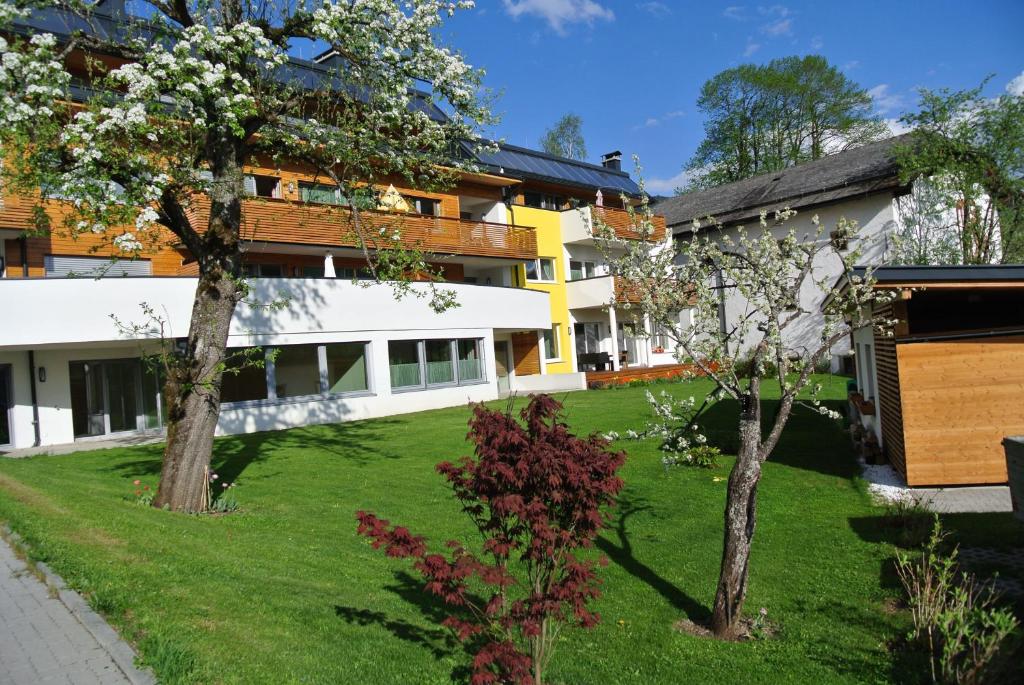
x=612, y=160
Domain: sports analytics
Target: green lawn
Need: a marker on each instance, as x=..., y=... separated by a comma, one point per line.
x=285, y=592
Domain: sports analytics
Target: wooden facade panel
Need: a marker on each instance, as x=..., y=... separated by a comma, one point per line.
x=890, y=405
x=526, y=353
x=960, y=399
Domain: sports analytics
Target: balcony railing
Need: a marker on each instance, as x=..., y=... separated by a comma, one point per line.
x=282, y=221
x=626, y=226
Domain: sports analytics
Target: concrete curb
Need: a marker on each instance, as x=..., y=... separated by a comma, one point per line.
x=120, y=651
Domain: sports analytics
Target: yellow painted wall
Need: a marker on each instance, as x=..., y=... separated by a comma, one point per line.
x=549, y=244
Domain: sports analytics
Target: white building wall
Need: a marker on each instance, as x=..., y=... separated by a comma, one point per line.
x=874, y=215
x=78, y=327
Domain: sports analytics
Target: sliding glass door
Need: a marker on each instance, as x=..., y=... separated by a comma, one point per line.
x=113, y=396
x=6, y=404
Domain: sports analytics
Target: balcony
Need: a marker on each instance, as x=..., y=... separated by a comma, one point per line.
x=578, y=224
x=283, y=221
x=600, y=291
x=82, y=310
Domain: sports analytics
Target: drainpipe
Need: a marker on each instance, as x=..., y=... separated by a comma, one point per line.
x=723, y=328
x=35, y=402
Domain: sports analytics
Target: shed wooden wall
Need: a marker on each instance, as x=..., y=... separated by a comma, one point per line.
x=959, y=398
x=890, y=407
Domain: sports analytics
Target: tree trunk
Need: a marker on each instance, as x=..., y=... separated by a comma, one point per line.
x=194, y=378
x=193, y=392
x=740, y=520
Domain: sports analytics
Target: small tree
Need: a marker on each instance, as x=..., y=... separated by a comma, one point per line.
x=974, y=149
x=773, y=276
x=565, y=138
x=186, y=95
x=538, y=495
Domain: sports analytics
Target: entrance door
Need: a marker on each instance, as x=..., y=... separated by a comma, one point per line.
x=105, y=397
x=6, y=405
x=588, y=337
x=501, y=364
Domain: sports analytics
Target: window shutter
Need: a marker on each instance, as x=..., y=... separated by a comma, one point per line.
x=62, y=266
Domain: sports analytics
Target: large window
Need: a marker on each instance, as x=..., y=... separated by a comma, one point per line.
x=542, y=270
x=242, y=381
x=346, y=367
x=297, y=371
x=418, y=364
x=404, y=362
x=425, y=205
x=551, y=343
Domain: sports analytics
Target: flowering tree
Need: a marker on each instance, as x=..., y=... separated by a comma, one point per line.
x=538, y=495
x=772, y=269
x=181, y=101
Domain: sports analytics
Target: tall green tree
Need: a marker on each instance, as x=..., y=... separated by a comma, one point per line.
x=762, y=118
x=971, y=149
x=203, y=89
x=565, y=138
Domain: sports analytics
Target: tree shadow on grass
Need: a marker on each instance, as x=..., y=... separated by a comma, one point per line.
x=809, y=441
x=356, y=442
x=624, y=555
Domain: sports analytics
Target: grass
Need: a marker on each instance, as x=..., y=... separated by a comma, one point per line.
x=284, y=592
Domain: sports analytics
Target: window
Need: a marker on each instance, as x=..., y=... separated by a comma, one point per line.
x=346, y=367
x=404, y=363
x=579, y=270
x=262, y=186
x=551, y=350
x=262, y=270
x=440, y=364
x=297, y=371
x=661, y=339
x=425, y=205
x=471, y=367
x=543, y=200
x=64, y=266
x=351, y=273
x=310, y=272
x=418, y=364
x=542, y=269
x=242, y=381
x=322, y=193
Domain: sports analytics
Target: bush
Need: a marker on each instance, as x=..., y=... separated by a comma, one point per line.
x=957, y=622
x=537, y=494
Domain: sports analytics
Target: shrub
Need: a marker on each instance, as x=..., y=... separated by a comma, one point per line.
x=957, y=622
x=537, y=494
x=703, y=456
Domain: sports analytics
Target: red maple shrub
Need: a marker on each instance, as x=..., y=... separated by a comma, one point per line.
x=537, y=494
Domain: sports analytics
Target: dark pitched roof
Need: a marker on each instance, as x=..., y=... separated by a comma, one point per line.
x=958, y=273
x=859, y=171
x=521, y=162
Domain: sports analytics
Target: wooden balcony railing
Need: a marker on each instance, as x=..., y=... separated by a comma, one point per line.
x=626, y=227
x=281, y=221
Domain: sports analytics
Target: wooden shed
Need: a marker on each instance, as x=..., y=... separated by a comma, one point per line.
x=939, y=394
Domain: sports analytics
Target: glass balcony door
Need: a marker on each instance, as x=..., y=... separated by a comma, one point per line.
x=106, y=397
x=5, y=406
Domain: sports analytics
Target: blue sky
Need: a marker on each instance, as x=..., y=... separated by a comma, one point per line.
x=633, y=69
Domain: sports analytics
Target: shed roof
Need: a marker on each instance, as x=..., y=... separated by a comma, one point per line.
x=860, y=171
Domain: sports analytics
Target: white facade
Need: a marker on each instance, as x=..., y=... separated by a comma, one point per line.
x=875, y=216
x=66, y=322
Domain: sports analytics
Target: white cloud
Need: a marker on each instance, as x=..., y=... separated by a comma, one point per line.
x=781, y=27
x=658, y=9
x=897, y=127
x=751, y=48
x=651, y=122
x=736, y=12
x=667, y=186
x=851, y=65
x=1016, y=86
x=558, y=13
x=817, y=43
x=885, y=100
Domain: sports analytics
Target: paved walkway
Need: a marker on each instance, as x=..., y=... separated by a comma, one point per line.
x=55, y=639
x=84, y=445
x=889, y=486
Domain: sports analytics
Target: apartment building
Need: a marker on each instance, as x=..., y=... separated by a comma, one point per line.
x=509, y=238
